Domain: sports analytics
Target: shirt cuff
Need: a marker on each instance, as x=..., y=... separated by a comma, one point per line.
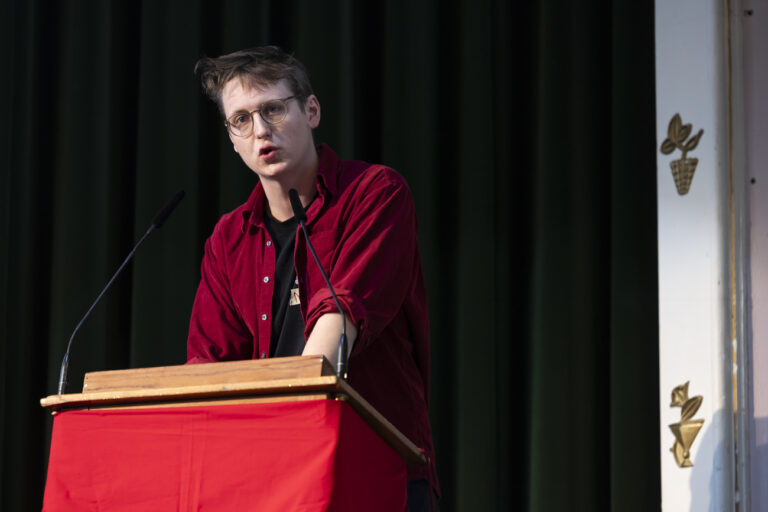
x=322, y=303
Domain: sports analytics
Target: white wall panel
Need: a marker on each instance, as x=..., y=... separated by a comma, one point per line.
x=694, y=243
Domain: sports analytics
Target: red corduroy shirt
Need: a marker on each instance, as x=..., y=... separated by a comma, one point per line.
x=363, y=226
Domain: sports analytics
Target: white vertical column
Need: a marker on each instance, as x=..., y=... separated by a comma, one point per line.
x=694, y=246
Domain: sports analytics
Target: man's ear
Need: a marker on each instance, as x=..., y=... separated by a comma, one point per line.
x=312, y=107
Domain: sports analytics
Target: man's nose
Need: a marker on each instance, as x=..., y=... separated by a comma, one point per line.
x=260, y=127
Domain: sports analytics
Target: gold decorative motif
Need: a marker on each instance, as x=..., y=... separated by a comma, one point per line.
x=685, y=431
x=683, y=169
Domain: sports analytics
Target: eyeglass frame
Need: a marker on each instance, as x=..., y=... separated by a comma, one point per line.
x=284, y=102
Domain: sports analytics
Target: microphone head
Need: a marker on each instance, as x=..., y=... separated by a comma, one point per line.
x=166, y=211
x=298, y=209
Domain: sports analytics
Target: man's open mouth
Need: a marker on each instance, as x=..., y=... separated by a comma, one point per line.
x=267, y=151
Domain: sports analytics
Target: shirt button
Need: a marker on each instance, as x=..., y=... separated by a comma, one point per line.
x=269, y=243
x=263, y=355
x=266, y=279
x=263, y=317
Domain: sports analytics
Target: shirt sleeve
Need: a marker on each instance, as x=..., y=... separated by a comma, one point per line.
x=375, y=263
x=216, y=330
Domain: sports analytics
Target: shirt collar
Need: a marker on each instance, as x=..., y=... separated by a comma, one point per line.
x=327, y=186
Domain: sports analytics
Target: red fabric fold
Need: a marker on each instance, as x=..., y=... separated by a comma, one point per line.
x=305, y=456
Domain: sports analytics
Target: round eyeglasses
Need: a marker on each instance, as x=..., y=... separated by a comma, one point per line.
x=240, y=124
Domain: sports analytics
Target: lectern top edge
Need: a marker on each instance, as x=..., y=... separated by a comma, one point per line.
x=288, y=378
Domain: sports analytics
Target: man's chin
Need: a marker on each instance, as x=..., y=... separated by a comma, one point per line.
x=271, y=171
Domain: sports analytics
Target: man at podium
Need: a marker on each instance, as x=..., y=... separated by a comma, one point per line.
x=261, y=293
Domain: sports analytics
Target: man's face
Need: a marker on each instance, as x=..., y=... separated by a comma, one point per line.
x=283, y=151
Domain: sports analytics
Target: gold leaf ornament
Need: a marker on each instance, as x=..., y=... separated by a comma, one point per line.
x=685, y=131
x=691, y=144
x=690, y=407
x=667, y=147
x=680, y=395
x=674, y=128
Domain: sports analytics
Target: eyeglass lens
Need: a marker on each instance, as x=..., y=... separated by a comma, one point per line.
x=272, y=112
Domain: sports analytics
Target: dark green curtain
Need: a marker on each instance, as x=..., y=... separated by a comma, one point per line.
x=526, y=131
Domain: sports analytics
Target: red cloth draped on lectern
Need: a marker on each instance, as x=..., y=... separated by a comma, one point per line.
x=290, y=456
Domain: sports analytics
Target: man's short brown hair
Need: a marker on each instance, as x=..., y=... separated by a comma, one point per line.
x=257, y=68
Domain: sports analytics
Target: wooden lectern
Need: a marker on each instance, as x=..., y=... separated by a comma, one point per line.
x=274, y=434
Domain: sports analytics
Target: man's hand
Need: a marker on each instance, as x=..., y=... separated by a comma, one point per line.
x=325, y=337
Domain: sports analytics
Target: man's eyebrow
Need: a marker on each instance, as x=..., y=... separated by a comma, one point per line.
x=242, y=110
x=248, y=110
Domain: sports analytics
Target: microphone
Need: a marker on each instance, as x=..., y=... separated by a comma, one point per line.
x=301, y=216
x=163, y=214
x=158, y=221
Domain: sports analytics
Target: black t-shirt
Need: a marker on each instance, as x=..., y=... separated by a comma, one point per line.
x=287, y=325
